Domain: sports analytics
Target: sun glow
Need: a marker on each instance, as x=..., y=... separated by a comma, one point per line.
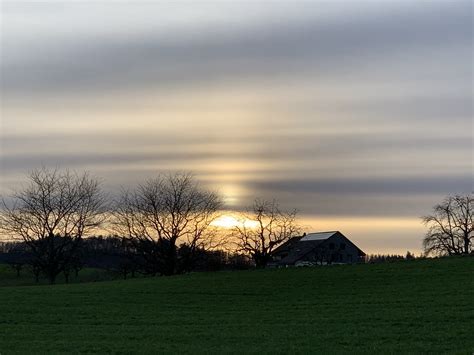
x=229, y=221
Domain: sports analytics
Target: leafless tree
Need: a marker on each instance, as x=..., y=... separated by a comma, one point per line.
x=164, y=211
x=273, y=227
x=51, y=215
x=450, y=227
x=200, y=239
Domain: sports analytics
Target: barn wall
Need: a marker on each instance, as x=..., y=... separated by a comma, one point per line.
x=349, y=254
x=342, y=252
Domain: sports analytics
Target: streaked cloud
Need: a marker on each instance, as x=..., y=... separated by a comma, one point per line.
x=341, y=109
x=145, y=57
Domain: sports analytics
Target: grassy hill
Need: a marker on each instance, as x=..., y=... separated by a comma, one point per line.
x=421, y=306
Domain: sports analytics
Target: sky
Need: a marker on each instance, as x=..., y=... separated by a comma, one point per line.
x=357, y=113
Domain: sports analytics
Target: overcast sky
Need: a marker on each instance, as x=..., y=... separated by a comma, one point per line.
x=358, y=113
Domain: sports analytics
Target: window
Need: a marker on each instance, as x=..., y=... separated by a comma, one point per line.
x=331, y=246
x=342, y=246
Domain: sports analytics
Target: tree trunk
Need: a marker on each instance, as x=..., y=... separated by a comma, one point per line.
x=466, y=243
x=36, y=272
x=170, y=262
x=261, y=261
x=52, y=278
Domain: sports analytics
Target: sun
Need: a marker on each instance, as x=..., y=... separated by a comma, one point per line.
x=229, y=221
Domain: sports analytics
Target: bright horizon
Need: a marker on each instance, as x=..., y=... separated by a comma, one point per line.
x=356, y=113
x=363, y=230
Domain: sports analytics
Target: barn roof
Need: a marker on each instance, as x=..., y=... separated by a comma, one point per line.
x=288, y=244
x=317, y=236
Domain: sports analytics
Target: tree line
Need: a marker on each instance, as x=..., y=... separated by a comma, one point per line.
x=383, y=258
x=164, y=226
x=114, y=255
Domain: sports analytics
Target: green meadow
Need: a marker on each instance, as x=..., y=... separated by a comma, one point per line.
x=419, y=306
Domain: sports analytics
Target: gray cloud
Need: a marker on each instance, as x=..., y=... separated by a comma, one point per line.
x=402, y=197
x=366, y=186
x=103, y=148
x=307, y=47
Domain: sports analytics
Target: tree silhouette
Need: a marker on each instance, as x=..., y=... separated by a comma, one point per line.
x=450, y=227
x=162, y=211
x=51, y=215
x=273, y=227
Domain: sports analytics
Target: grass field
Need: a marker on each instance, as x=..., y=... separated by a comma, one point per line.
x=421, y=306
x=8, y=277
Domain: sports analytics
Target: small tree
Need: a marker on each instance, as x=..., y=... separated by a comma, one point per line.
x=51, y=215
x=450, y=227
x=162, y=211
x=272, y=227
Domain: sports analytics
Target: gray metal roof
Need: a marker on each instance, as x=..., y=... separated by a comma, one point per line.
x=287, y=245
x=317, y=236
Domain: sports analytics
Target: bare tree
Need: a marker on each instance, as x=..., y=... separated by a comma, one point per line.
x=200, y=239
x=163, y=211
x=450, y=227
x=51, y=215
x=273, y=227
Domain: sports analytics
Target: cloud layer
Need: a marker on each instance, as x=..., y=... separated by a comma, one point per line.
x=338, y=108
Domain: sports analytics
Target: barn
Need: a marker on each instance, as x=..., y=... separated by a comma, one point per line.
x=321, y=248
